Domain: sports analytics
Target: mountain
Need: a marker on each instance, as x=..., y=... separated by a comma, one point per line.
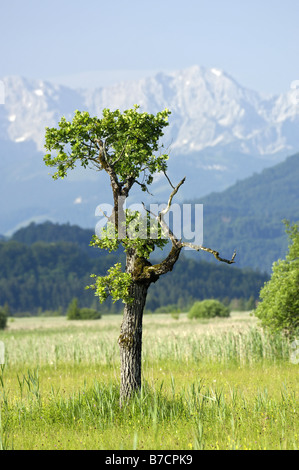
x=219, y=132
x=248, y=216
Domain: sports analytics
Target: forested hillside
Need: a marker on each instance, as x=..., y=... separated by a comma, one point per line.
x=248, y=216
x=40, y=270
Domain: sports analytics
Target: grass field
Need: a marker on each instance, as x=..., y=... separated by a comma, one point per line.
x=218, y=384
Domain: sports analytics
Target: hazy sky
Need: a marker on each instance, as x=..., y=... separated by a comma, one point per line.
x=97, y=42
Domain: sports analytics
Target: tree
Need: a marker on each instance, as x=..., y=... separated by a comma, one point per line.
x=73, y=311
x=124, y=145
x=279, y=306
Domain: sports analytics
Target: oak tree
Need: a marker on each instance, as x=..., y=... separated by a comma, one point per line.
x=125, y=146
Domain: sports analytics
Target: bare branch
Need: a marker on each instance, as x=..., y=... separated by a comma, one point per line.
x=175, y=190
x=165, y=174
x=165, y=229
x=143, y=186
x=103, y=213
x=214, y=252
x=179, y=243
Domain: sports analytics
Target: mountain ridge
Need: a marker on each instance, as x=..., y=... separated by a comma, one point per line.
x=247, y=217
x=219, y=132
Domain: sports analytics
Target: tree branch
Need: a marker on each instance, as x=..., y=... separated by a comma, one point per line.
x=214, y=252
x=166, y=176
x=165, y=266
x=175, y=190
x=121, y=154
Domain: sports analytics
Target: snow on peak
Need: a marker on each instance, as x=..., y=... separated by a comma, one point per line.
x=39, y=92
x=209, y=109
x=217, y=72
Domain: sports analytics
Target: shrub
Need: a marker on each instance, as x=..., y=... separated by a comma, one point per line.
x=73, y=312
x=76, y=313
x=89, y=314
x=209, y=308
x=3, y=319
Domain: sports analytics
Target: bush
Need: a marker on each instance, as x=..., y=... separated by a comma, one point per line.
x=208, y=309
x=73, y=312
x=3, y=319
x=279, y=306
x=76, y=313
x=89, y=314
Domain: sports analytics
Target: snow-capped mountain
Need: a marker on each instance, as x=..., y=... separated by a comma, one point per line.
x=209, y=109
x=219, y=132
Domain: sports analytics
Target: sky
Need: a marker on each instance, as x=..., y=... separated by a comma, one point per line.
x=97, y=43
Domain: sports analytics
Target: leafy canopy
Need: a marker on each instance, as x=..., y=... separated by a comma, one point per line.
x=124, y=145
x=279, y=306
x=129, y=138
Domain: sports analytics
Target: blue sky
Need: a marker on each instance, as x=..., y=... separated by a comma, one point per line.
x=98, y=42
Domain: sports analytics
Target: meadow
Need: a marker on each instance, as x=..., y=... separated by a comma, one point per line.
x=209, y=384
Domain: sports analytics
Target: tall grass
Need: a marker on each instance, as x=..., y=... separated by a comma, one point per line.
x=247, y=345
x=219, y=385
x=195, y=417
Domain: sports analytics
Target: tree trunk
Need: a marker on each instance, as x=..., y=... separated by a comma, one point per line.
x=130, y=342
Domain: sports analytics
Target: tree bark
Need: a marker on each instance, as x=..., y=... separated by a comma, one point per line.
x=130, y=339
x=130, y=342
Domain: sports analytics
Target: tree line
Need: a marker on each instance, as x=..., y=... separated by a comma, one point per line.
x=46, y=276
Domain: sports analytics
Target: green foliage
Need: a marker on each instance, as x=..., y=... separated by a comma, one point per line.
x=209, y=308
x=3, y=319
x=44, y=275
x=138, y=229
x=130, y=139
x=50, y=398
x=116, y=284
x=247, y=216
x=73, y=312
x=50, y=313
x=108, y=239
x=279, y=306
x=89, y=314
x=193, y=280
x=142, y=233
x=124, y=145
x=76, y=313
x=47, y=276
